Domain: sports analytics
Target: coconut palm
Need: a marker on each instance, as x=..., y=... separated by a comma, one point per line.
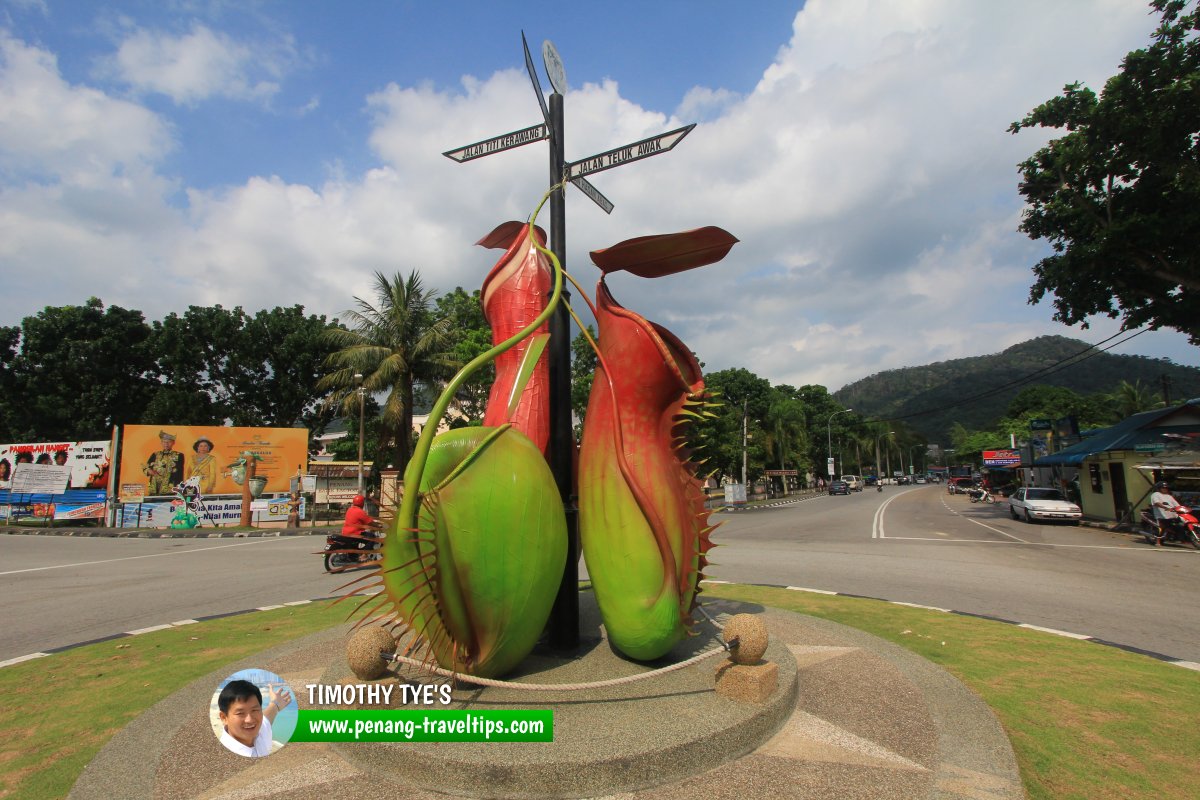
x=394, y=342
x=1132, y=398
x=786, y=435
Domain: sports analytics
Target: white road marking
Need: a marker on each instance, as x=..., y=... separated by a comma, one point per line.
x=997, y=530
x=814, y=591
x=1124, y=548
x=877, y=531
x=1055, y=631
x=133, y=558
x=918, y=605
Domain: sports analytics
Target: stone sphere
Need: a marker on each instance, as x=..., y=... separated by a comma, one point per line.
x=363, y=652
x=752, y=638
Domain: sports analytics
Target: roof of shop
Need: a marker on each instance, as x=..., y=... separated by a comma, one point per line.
x=1125, y=435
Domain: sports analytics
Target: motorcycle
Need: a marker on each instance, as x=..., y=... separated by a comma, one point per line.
x=1187, y=532
x=981, y=496
x=342, y=551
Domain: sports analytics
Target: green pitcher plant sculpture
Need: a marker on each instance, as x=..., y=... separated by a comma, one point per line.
x=472, y=566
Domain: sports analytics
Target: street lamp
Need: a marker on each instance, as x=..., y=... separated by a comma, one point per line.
x=829, y=439
x=358, y=379
x=912, y=459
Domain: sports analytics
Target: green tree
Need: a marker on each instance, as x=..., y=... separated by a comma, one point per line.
x=786, y=439
x=1133, y=398
x=393, y=343
x=583, y=369
x=719, y=439
x=470, y=336
x=218, y=365
x=1118, y=196
x=282, y=352
x=10, y=340
x=78, y=371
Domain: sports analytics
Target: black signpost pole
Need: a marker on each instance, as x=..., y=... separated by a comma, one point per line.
x=564, y=618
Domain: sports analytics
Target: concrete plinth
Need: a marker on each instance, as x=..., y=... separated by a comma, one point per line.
x=747, y=683
x=852, y=716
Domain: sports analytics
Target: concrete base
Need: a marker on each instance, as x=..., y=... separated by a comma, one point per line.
x=747, y=683
x=621, y=738
x=852, y=717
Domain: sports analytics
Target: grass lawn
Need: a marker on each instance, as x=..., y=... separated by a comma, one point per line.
x=1086, y=721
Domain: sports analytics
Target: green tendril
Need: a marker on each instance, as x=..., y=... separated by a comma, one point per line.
x=408, y=506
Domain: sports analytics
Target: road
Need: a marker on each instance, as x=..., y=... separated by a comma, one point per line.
x=922, y=545
x=916, y=545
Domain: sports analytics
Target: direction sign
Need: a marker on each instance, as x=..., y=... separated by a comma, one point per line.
x=507, y=141
x=585, y=186
x=554, y=67
x=630, y=152
x=537, y=85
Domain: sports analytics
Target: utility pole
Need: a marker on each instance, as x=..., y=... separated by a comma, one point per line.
x=743, y=444
x=1166, y=389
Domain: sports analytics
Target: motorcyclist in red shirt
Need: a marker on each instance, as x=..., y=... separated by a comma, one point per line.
x=358, y=521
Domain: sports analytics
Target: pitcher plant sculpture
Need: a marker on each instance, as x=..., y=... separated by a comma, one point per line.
x=475, y=559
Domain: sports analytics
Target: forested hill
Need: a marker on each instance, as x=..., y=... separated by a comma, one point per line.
x=940, y=388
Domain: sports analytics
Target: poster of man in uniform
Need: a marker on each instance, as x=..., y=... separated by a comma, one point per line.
x=157, y=459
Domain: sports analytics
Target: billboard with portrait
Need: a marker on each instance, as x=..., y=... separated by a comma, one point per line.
x=88, y=461
x=155, y=458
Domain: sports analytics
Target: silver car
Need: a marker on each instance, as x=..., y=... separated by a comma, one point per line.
x=1033, y=504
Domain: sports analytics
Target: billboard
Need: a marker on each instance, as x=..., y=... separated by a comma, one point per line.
x=155, y=458
x=1001, y=458
x=88, y=461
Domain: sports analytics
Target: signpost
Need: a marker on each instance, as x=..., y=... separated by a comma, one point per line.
x=564, y=619
x=618, y=156
x=534, y=133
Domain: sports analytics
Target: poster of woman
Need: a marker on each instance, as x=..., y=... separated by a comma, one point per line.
x=158, y=458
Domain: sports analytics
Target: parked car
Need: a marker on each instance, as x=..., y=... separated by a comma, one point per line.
x=870, y=480
x=855, y=482
x=1033, y=504
x=839, y=487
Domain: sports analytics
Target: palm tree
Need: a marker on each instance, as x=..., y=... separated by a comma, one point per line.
x=1132, y=398
x=786, y=430
x=393, y=344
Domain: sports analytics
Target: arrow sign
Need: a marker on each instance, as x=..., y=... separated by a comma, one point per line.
x=630, y=152
x=537, y=85
x=507, y=141
x=585, y=186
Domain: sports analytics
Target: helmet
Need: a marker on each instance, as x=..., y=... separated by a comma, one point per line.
x=358, y=500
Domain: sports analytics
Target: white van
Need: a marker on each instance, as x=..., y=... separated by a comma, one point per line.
x=854, y=482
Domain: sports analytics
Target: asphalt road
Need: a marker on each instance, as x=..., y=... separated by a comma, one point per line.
x=922, y=545
x=917, y=545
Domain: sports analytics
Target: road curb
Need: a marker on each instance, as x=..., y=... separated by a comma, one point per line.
x=166, y=533
x=1179, y=662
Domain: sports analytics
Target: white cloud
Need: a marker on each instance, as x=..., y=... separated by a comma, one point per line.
x=200, y=64
x=50, y=127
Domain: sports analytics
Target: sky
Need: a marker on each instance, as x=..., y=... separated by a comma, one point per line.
x=163, y=154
